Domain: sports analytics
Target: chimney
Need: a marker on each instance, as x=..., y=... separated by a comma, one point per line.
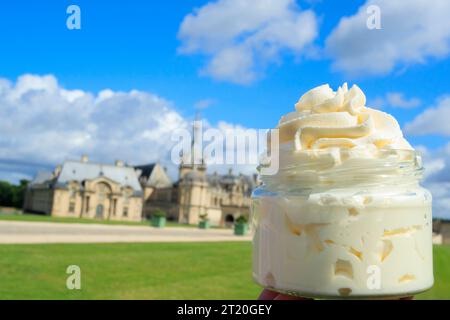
x=84, y=158
x=119, y=163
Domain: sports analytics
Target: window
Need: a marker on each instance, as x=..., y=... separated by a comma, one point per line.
x=125, y=211
x=126, y=196
x=72, y=207
x=102, y=190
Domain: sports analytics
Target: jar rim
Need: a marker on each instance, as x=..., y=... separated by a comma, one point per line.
x=319, y=167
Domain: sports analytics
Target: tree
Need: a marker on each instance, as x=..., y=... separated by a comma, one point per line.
x=6, y=194
x=12, y=195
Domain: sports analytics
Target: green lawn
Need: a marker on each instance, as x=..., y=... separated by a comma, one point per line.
x=41, y=218
x=147, y=271
x=129, y=271
x=441, y=288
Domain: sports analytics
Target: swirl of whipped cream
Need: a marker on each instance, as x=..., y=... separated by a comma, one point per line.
x=328, y=119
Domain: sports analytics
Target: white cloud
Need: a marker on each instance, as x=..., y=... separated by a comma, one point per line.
x=411, y=33
x=43, y=124
x=433, y=120
x=235, y=132
x=437, y=178
x=241, y=37
x=396, y=100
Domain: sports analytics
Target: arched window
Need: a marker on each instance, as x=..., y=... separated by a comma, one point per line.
x=103, y=191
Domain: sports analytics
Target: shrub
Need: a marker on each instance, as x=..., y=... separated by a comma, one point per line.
x=158, y=213
x=242, y=219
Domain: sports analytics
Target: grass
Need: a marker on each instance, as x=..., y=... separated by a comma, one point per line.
x=128, y=271
x=441, y=288
x=148, y=271
x=41, y=218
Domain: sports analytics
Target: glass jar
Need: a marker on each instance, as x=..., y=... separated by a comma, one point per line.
x=344, y=226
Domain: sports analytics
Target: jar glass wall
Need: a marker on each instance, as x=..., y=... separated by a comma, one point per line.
x=342, y=235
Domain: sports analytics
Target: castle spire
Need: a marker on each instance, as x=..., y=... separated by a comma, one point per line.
x=197, y=143
x=194, y=160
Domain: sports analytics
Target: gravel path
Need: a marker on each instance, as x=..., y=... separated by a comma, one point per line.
x=15, y=232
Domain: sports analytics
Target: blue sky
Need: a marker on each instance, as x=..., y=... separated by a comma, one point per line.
x=134, y=46
x=165, y=51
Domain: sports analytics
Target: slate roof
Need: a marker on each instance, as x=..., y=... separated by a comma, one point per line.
x=81, y=171
x=146, y=170
x=42, y=177
x=216, y=180
x=146, y=175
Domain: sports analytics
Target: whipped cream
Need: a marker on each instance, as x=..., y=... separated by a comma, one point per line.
x=326, y=119
x=328, y=123
x=345, y=215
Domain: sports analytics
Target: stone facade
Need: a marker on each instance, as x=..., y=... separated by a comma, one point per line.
x=87, y=190
x=223, y=198
x=118, y=192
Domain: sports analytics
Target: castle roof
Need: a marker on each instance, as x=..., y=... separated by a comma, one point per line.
x=146, y=169
x=222, y=181
x=42, y=177
x=80, y=171
x=153, y=175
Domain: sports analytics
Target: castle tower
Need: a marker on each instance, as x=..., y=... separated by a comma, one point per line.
x=194, y=160
x=193, y=187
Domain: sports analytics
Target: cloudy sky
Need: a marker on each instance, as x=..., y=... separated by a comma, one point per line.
x=136, y=71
